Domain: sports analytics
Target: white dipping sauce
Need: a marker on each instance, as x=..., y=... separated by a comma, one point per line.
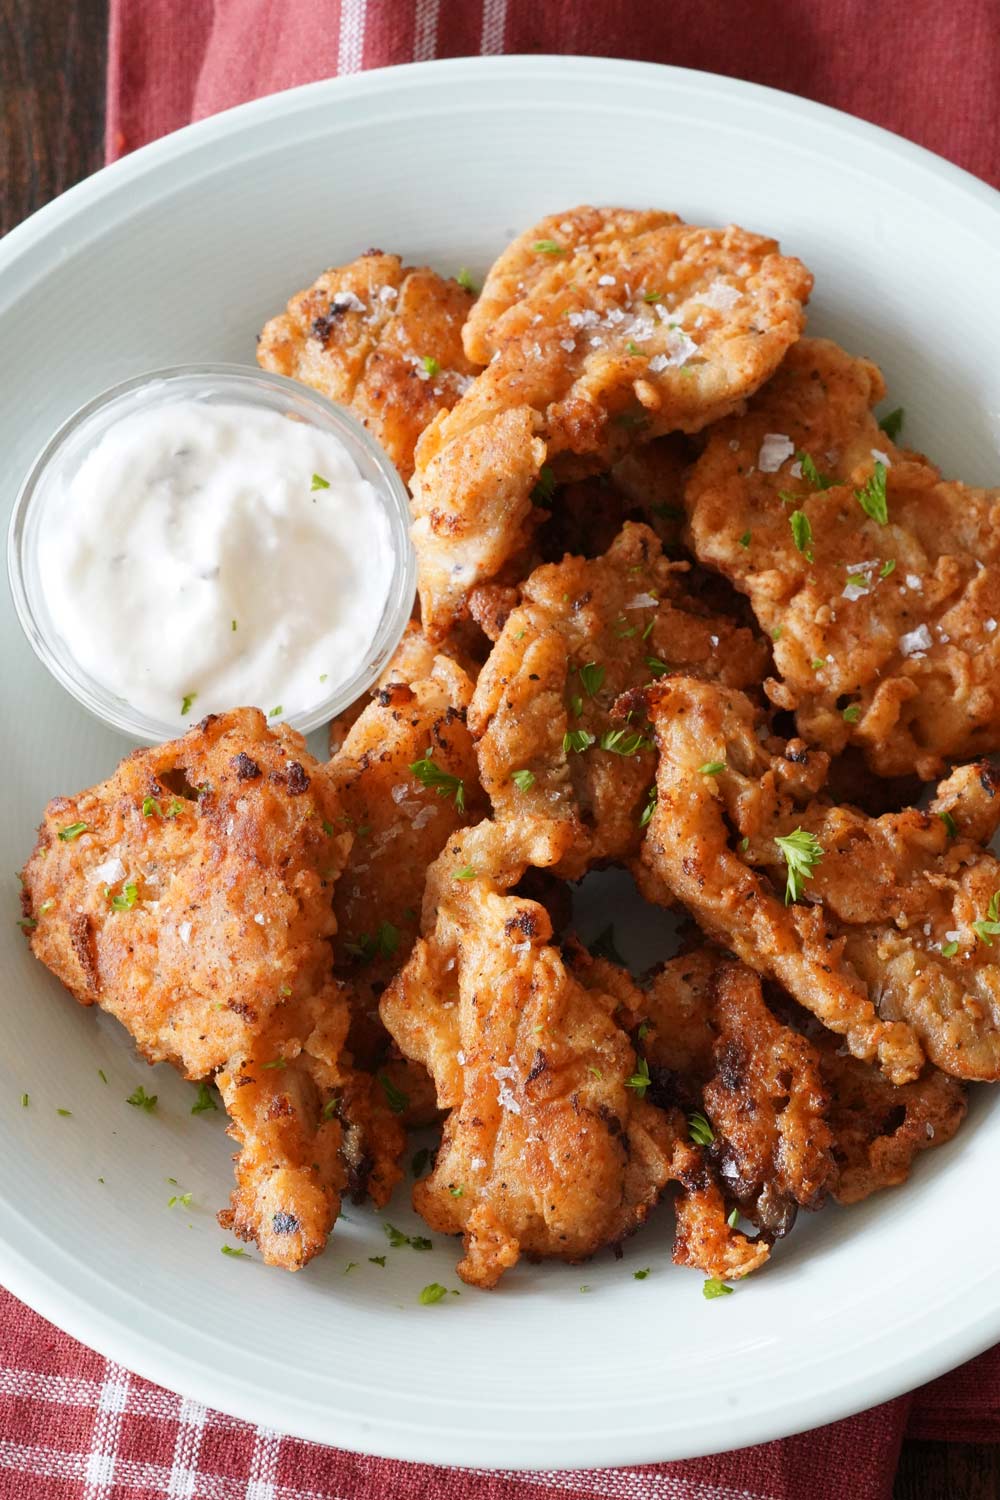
x=193, y=559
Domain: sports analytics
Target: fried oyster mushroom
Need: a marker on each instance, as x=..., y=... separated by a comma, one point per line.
x=548, y=1149
x=406, y=780
x=585, y=632
x=379, y=337
x=190, y=897
x=601, y=328
x=887, y=924
x=878, y=580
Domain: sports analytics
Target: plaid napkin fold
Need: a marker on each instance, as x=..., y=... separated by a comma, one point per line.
x=74, y=1426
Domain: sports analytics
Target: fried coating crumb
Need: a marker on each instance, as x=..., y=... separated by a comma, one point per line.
x=546, y=1150
x=381, y=338
x=587, y=631
x=602, y=327
x=885, y=631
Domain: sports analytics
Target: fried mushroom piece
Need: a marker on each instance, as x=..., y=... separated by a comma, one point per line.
x=381, y=338
x=720, y=779
x=585, y=632
x=190, y=896
x=406, y=779
x=878, y=580
x=547, y=1149
x=602, y=328
x=889, y=939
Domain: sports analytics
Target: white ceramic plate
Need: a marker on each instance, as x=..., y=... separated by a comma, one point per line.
x=178, y=254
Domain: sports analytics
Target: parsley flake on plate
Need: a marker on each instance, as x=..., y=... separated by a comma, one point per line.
x=432, y=1293
x=641, y=1275
x=892, y=423
x=204, y=1100
x=319, y=483
x=713, y=1287
x=235, y=1253
x=186, y=703
x=139, y=1099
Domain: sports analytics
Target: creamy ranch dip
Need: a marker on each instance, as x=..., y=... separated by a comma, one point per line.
x=205, y=556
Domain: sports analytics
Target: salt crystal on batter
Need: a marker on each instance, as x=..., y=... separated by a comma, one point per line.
x=915, y=641
x=775, y=448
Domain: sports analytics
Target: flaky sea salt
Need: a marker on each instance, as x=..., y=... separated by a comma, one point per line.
x=775, y=448
x=915, y=641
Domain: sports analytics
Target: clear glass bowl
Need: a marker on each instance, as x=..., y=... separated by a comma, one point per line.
x=228, y=384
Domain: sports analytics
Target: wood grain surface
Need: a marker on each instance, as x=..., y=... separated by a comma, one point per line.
x=52, y=72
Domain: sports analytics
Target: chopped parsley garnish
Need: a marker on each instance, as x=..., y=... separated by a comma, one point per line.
x=46, y=906
x=817, y=664
x=204, y=1100
x=576, y=706
x=319, y=483
x=397, y=1101
x=464, y=279
x=141, y=1100
x=650, y=806
x=27, y=924
x=624, y=741
x=330, y=1107
x=801, y=852
x=586, y=1287
x=744, y=844
x=523, y=780
x=777, y=633
x=127, y=899
x=377, y=1260
x=182, y=1198
x=175, y=807
x=151, y=806
x=852, y=713
x=640, y=1079
x=857, y=581
x=712, y=768
x=236, y=1254
x=887, y=567
x=656, y=666
x=232, y=624
x=578, y=740
x=433, y=1292
x=892, y=423
x=734, y=1218
x=989, y=928
x=652, y=296
x=949, y=950
x=72, y=831
x=592, y=678
x=604, y=946
x=102, y=1075
x=700, y=1130
x=545, y=486
x=457, y=1192
x=633, y=348
x=871, y=497
x=811, y=474
x=276, y=1062
x=548, y=247
x=273, y=713
x=397, y=1239
x=467, y=872
x=186, y=703
x=640, y=1275
x=352, y=1265
x=745, y=539
x=430, y=774
x=802, y=533
x=950, y=824
x=418, y=1165
x=623, y=630
x=67, y=1113
x=430, y=364
x=649, y=627
x=713, y=1287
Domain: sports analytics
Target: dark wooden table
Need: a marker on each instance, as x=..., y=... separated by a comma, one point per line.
x=52, y=61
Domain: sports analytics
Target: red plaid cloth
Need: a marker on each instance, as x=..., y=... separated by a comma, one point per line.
x=74, y=1426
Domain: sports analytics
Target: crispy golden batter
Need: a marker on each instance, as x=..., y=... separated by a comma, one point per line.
x=381, y=338
x=891, y=945
x=546, y=1150
x=190, y=896
x=602, y=327
x=400, y=824
x=586, y=632
x=895, y=623
x=878, y=1127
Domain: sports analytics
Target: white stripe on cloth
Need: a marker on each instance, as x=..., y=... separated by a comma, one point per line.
x=494, y=26
x=351, y=47
x=425, y=26
x=68, y=1390
x=261, y=1484
x=187, y=1446
x=99, y=1471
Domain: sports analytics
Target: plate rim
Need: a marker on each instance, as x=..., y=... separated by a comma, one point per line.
x=391, y=1437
